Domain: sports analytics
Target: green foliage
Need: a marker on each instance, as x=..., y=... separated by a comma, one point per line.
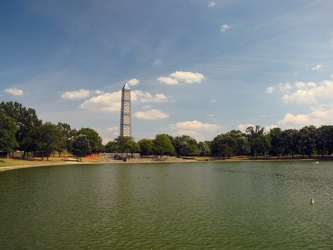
x=163, y=145
x=146, y=147
x=290, y=140
x=258, y=141
x=7, y=133
x=111, y=147
x=276, y=141
x=94, y=139
x=81, y=146
x=186, y=146
x=126, y=144
x=204, y=148
x=27, y=124
x=66, y=133
x=308, y=138
x=49, y=139
x=223, y=145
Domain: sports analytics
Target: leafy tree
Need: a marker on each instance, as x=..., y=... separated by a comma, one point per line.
x=223, y=145
x=290, y=138
x=163, y=145
x=94, y=139
x=27, y=123
x=50, y=139
x=126, y=144
x=81, y=147
x=204, y=148
x=259, y=142
x=66, y=133
x=7, y=133
x=324, y=143
x=146, y=147
x=186, y=146
x=28, y=132
x=111, y=147
x=307, y=142
x=276, y=141
x=242, y=146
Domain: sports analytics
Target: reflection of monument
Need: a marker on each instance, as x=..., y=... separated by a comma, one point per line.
x=125, y=112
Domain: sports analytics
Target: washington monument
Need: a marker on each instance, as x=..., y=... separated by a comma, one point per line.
x=125, y=113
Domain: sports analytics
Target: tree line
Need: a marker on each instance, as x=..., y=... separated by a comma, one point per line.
x=22, y=130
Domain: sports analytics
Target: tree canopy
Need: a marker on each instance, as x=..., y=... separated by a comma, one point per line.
x=22, y=130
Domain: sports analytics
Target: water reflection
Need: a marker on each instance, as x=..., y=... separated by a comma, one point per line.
x=168, y=206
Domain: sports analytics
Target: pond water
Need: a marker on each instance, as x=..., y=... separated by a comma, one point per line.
x=237, y=205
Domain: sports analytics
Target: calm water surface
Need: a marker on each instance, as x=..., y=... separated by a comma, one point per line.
x=244, y=205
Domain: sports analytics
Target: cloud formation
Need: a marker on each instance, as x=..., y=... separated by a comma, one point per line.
x=167, y=80
x=317, y=67
x=307, y=92
x=133, y=82
x=14, y=91
x=153, y=114
x=80, y=94
x=194, y=129
x=270, y=90
x=182, y=77
x=194, y=125
x=146, y=97
x=315, y=96
x=107, y=101
x=211, y=4
x=111, y=101
x=224, y=28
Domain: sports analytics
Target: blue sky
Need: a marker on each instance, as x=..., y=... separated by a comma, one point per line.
x=195, y=67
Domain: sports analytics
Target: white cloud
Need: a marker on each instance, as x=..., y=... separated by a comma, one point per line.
x=308, y=93
x=270, y=90
x=210, y=115
x=224, y=28
x=211, y=4
x=194, y=129
x=188, y=77
x=107, y=101
x=182, y=76
x=111, y=101
x=285, y=87
x=133, y=82
x=167, y=80
x=195, y=125
x=301, y=96
x=14, y=91
x=294, y=119
x=321, y=115
x=82, y=93
x=300, y=85
x=146, y=97
x=153, y=114
x=317, y=67
x=99, y=92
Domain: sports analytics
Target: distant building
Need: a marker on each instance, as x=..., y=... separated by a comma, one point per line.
x=125, y=112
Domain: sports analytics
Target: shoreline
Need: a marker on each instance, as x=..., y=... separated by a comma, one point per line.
x=32, y=163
